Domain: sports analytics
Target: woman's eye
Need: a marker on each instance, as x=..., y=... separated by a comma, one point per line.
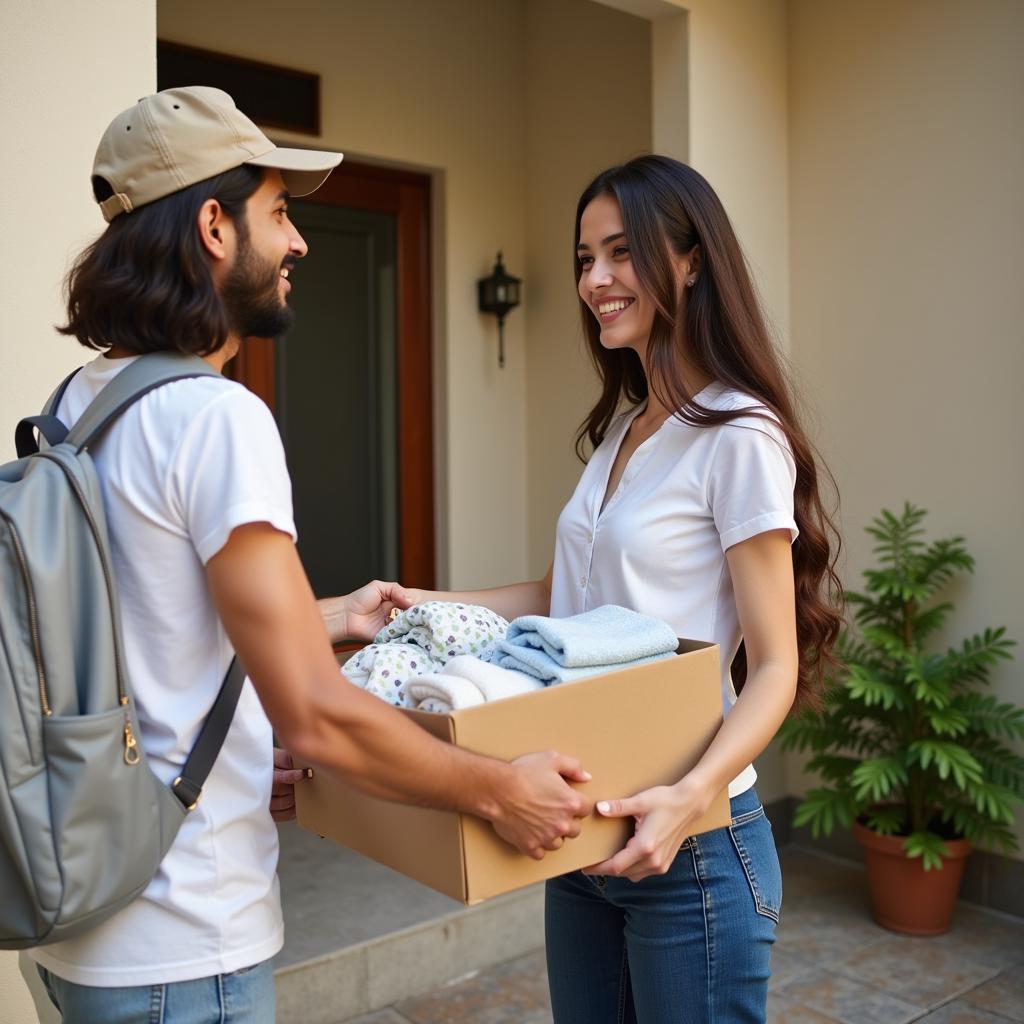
x=620, y=250
x=585, y=261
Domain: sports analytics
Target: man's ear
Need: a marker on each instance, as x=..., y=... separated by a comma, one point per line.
x=215, y=230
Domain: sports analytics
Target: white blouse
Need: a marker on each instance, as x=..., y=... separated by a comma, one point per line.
x=686, y=495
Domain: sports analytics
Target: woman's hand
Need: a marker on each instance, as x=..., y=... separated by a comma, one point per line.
x=282, y=793
x=362, y=614
x=664, y=816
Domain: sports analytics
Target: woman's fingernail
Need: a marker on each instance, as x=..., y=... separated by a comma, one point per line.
x=309, y=773
x=604, y=807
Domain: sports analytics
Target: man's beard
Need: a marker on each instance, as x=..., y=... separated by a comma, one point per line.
x=251, y=297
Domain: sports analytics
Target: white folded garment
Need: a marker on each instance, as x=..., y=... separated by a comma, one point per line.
x=467, y=681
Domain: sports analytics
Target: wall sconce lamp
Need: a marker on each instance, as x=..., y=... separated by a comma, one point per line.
x=498, y=294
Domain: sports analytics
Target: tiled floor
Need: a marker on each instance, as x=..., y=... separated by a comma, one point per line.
x=832, y=965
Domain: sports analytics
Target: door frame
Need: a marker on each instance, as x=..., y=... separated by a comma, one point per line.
x=406, y=195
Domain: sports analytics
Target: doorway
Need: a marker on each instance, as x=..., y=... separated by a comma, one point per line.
x=351, y=387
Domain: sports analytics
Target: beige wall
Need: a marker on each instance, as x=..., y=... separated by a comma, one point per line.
x=50, y=125
x=907, y=157
x=588, y=103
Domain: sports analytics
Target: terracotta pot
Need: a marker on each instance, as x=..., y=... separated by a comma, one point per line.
x=904, y=897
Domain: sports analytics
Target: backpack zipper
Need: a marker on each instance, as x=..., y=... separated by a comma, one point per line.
x=33, y=618
x=131, y=751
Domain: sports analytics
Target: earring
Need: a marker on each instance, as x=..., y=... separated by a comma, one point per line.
x=691, y=282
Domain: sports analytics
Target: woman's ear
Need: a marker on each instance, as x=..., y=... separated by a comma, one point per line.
x=214, y=228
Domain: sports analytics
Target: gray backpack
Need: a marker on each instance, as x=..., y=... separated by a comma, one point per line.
x=84, y=822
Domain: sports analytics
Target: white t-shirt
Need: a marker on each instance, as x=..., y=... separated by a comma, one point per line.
x=687, y=494
x=180, y=470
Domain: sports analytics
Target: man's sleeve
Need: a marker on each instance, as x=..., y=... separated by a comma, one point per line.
x=230, y=470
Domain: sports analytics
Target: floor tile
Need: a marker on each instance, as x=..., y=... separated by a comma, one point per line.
x=787, y=966
x=828, y=927
x=1004, y=994
x=961, y=1012
x=915, y=970
x=985, y=937
x=380, y=1017
x=805, y=873
x=849, y=1001
x=784, y=1011
x=512, y=993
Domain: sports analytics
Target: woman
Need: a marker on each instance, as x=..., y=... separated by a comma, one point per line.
x=700, y=506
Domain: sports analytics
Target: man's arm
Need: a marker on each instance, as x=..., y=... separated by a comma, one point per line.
x=271, y=616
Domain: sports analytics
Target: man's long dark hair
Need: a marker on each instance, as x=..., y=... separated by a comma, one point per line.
x=145, y=284
x=719, y=328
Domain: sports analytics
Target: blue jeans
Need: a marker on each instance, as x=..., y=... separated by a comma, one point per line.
x=691, y=946
x=242, y=997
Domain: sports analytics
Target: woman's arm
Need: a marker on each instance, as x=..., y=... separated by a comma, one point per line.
x=510, y=601
x=362, y=614
x=762, y=577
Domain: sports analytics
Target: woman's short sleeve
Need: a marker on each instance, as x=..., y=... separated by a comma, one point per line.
x=751, y=481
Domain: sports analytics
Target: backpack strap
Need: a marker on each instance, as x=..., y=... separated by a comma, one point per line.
x=144, y=375
x=47, y=423
x=25, y=433
x=188, y=786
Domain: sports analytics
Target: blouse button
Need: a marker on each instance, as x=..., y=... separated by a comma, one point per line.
x=590, y=538
x=583, y=581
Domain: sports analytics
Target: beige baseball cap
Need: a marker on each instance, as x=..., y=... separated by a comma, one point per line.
x=178, y=137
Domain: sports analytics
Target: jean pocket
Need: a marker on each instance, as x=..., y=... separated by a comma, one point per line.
x=751, y=835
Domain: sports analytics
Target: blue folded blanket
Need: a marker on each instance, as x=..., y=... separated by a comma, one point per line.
x=601, y=640
x=538, y=664
x=608, y=635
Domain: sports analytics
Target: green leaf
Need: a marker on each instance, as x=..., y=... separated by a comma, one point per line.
x=874, y=779
x=872, y=689
x=931, y=620
x=928, y=846
x=975, y=658
x=987, y=715
x=947, y=721
x=949, y=758
x=833, y=767
x=822, y=809
x=886, y=821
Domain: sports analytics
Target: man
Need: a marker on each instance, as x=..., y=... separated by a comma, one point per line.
x=198, y=255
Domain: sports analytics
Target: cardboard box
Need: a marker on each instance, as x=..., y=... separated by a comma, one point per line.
x=631, y=729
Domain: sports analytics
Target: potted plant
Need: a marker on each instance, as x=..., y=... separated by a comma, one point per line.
x=911, y=753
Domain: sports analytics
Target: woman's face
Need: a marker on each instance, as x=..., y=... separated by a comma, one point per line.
x=608, y=283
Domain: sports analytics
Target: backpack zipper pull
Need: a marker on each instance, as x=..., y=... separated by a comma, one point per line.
x=131, y=747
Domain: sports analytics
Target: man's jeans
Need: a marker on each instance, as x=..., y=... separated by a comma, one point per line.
x=688, y=947
x=243, y=997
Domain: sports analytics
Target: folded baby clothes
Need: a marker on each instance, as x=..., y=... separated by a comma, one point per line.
x=421, y=640
x=467, y=681
x=446, y=629
x=608, y=635
x=386, y=669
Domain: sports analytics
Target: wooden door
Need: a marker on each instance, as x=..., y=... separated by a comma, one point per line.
x=350, y=386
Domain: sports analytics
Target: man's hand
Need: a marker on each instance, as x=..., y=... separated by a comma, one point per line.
x=362, y=614
x=539, y=809
x=282, y=793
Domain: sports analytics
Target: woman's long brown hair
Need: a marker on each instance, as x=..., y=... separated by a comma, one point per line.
x=718, y=328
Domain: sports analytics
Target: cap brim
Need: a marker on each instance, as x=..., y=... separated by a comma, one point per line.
x=303, y=170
